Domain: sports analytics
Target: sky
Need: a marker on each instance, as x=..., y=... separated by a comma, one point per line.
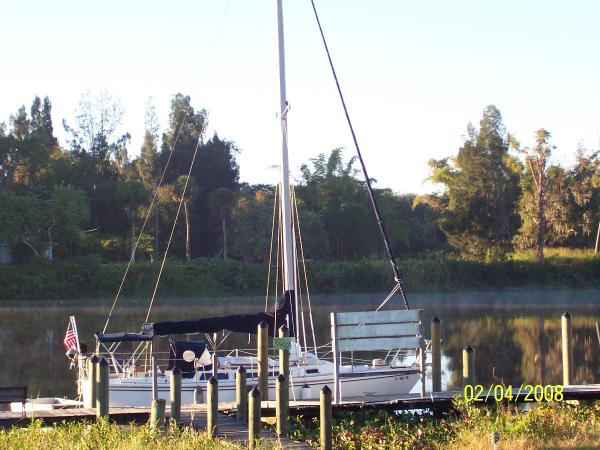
x=414, y=74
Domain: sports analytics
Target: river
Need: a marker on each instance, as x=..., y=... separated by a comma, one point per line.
x=516, y=334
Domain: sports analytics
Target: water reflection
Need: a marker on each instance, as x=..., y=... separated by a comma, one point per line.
x=514, y=342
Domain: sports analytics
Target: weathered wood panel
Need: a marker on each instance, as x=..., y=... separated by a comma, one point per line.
x=372, y=317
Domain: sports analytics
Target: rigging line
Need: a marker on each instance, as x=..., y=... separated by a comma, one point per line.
x=388, y=248
x=271, y=250
x=162, y=265
x=310, y=314
x=144, y=225
x=211, y=47
x=297, y=272
x=390, y=295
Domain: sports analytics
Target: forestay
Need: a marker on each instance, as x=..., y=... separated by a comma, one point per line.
x=377, y=330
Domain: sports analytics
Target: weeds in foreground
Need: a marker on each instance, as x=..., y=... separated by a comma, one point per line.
x=543, y=426
x=556, y=425
x=105, y=435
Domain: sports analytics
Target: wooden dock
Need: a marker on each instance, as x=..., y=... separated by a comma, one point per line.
x=237, y=431
x=437, y=402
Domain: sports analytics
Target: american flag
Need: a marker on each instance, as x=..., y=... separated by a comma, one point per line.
x=71, y=340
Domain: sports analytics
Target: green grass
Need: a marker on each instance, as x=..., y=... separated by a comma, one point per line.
x=104, y=435
x=556, y=425
x=545, y=426
x=530, y=255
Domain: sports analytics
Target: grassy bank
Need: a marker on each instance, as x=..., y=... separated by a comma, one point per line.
x=88, y=277
x=543, y=427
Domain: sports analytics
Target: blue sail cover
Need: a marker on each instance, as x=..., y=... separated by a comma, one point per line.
x=282, y=313
x=122, y=337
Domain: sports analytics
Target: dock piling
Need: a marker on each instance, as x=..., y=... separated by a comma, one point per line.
x=326, y=424
x=281, y=405
x=92, y=367
x=241, y=395
x=284, y=360
x=175, y=391
x=157, y=414
x=253, y=416
x=436, y=355
x=263, y=359
x=567, y=349
x=212, y=406
x=102, y=374
x=468, y=365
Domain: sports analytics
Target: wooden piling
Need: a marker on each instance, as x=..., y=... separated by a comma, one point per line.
x=157, y=414
x=212, y=406
x=175, y=391
x=284, y=360
x=263, y=359
x=241, y=395
x=468, y=365
x=326, y=420
x=102, y=375
x=281, y=405
x=567, y=349
x=253, y=416
x=436, y=355
x=92, y=368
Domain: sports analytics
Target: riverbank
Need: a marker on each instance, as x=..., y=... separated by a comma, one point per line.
x=554, y=425
x=89, y=277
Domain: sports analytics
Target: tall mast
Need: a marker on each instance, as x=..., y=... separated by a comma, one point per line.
x=288, y=251
x=286, y=215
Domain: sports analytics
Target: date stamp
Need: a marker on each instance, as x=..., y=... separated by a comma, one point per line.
x=524, y=393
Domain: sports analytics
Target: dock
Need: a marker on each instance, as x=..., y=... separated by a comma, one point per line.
x=433, y=401
x=237, y=431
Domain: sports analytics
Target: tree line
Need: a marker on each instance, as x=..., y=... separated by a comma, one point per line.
x=91, y=198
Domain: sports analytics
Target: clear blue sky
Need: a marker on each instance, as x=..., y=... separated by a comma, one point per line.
x=414, y=73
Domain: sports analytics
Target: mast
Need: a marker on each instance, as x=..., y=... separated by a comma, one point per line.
x=286, y=215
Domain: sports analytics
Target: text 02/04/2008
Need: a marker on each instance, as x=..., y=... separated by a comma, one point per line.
x=523, y=393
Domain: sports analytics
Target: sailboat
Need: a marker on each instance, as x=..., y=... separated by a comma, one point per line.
x=137, y=378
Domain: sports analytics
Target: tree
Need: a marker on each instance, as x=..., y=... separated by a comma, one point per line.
x=42, y=221
x=97, y=135
x=584, y=195
x=131, y=195
x=146, y=164
x=68, y=210
x=481, y=184
x=331, y=189
x=184, y=189
x=536, y=161
x=221, y=202
x=25, y=153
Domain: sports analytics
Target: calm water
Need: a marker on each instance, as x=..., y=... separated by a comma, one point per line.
x=516, y=334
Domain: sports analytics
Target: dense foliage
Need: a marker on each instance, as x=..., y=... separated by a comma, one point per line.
x=204, y=277
x=91, y=198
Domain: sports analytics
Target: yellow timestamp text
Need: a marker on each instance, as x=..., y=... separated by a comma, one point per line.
x=524, y=393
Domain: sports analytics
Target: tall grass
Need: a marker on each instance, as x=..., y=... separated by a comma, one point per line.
x=105, y=435
x=556, y=425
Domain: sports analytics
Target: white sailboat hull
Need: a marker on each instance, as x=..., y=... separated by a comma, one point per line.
x=367, y=382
